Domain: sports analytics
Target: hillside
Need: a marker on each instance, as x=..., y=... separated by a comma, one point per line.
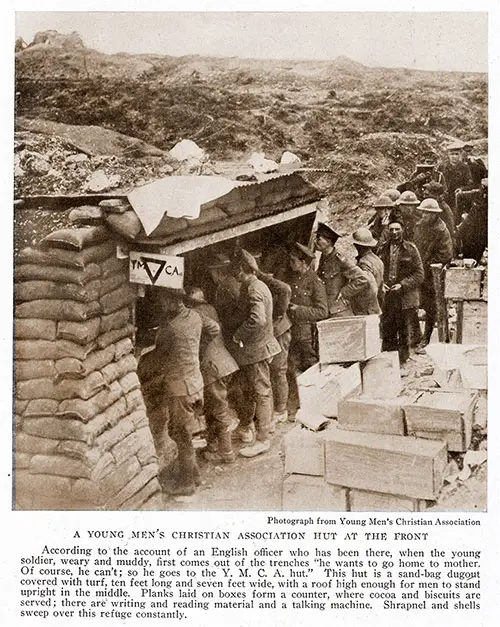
x=369, y=125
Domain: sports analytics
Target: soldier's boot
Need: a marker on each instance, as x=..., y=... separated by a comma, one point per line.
x=185, y=481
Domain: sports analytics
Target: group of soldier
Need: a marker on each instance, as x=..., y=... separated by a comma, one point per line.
x=246, y=348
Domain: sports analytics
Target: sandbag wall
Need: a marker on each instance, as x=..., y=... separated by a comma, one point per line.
x=82, y=436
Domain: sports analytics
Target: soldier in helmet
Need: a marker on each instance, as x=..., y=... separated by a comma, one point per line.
x=436, y=190
x=379, y=224
x=407, y=213
x=392, y=193
x=434, y=244
x=425, y=172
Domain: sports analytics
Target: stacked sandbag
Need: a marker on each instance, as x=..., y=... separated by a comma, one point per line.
x=82, y=434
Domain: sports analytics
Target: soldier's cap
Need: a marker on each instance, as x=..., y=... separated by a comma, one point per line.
x=434, y=187
x=383, y=202
x=302, y=252
x=408, y=198
x=364, y=237
x=243, y=256
x=327, y=232
x=194, y=295
x=219, y=260
x=430, y=205
x=455, y=146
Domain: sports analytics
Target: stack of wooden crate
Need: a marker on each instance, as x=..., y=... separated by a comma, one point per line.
x=385, y=451
x=467, y=286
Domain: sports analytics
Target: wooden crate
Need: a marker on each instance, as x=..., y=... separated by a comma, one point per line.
x=304, y=493
x=444, y=416
x=475, y=322
x=393, y=464
x=381, y=375
x=322, y=386
x=355, y=338
x=363, y=413
x=364, y=501
x=463, y=283
x=304, y=452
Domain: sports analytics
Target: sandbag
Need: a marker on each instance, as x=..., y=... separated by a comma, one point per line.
x=47, y=388
x=41, y=407
x=110, y=337
x=76, y=369
x=106, y=419
x=113, y=265
x=34, y=369
x=38, y=290
x=79, y=332
x=35, y=329
x=43, y=272
x=112, y=282
x=123, y=347
x=120, y=368
x=86, y=214
x=58, y=310
x=86, y=410
x=76, y=239
x=34, y=349
x=70, y=258
x=34, y=444
x=126, y=224
x=121, y=297
x=130, y=382
x=115, y=320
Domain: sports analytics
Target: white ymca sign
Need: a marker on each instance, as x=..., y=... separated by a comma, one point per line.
x=159, y=270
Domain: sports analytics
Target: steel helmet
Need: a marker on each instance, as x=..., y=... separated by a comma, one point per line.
x=392, y=193
x=430, y=205
x=408, y=198
x=363, y=237
x=383, y=202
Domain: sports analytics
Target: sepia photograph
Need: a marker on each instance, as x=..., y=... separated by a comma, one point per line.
x=250, y=264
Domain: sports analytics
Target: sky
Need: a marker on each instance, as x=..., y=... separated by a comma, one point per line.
x=456, y=41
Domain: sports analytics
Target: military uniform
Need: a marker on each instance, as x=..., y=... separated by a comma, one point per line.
x=253, y=347
x=310, y=300
x=330, y=273
x=178, y=346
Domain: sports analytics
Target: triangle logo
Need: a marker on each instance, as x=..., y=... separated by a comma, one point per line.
x=153, y=277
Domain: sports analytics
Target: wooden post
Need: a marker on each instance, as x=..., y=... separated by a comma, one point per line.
x=459, y=325
x=442, y=313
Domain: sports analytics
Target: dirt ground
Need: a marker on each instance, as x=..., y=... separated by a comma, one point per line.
x=255, y=484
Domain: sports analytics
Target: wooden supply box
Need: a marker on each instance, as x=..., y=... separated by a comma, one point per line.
x=304, y=452
x=381, y=375
x=322, y=386
x=363, y=413
x=393, y=464
x=363, y=501
x=304, y=493
x=444, y=416
x=463, y=283
x=355, y=338
x=475, y=322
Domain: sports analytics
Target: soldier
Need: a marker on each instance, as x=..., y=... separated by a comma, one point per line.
x=368, y=261
x=433, y=241
x=253, y=346
x=472, y=232
x=407, y=213
x=308, y=304
x=227, y=293
x=360, y=294
x=281, y=293
x=379, y=224
x=436, y=190
x=392, y=193
x=216, y=365
x=177, y=348
x=329, y=270
x=457, y=175
x=477, y=167
x=425, y=172
x=403, y=274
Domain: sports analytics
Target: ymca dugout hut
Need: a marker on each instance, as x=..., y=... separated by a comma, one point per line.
x=86, y=311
